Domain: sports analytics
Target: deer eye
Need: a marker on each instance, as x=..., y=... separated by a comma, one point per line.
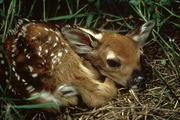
x=113, y=63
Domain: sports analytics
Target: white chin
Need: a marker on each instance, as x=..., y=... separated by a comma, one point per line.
x=134, y=87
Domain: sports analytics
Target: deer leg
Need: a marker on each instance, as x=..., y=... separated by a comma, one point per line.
x=95, y=93
x=68, y=91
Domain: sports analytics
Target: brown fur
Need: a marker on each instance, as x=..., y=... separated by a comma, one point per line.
x=126, y=50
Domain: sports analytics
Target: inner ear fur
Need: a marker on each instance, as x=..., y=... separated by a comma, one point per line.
x=141, y=33
x=82, y=40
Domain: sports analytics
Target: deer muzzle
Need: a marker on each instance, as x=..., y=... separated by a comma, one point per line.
x=137, y=80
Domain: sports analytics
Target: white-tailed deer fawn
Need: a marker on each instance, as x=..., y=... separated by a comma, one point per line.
x=42, y=58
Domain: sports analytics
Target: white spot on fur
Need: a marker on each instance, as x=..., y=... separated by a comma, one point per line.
x=52, y=67
x=39, y=33
x=49, y=39
x=6, y=72
x=10, y=87
x=66, y=51
x=15, y=41
x=46, y=51
x=55, y=44
x=39, y=53
x=57, y=32
x=29, y=87
x=14, y=63
x=26, y=19
x=57, y=39
x=59, y=54
x=24, y=28
x=13, y=69
x=27, y=56
x=16, y=74
x=18, y=77
x=20, y=34
x=2, y=61
x=34, y=75
x=31, y=90
x=7, y=81
x=54, y=60
x=25, y=50
x=14, y=48
x=25, y=83
x=52, y=54
x=20, y=21
x=33, y=38
x=40, y=48
x=44, y=61
x=51, y=30
x=56, y=25
x=31, y=69
x=12, y=55
x=13, y=91
x=23, y=80
x=46, y=29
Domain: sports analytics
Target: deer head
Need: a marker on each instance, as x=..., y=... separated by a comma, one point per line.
x=115, y=56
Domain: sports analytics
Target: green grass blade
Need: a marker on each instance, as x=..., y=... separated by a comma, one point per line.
x=33, y=106
x=31, y=9
x=89, y=20
x=175, y=58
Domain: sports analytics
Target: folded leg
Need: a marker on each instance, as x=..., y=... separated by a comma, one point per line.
x=68, y=91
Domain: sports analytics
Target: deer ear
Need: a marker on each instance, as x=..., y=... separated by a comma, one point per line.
x=82, y=40
x=141, y=34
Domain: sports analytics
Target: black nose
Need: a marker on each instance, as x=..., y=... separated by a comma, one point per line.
x=137, y=80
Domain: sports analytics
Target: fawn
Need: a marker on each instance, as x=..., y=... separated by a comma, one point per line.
x=61, y=62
